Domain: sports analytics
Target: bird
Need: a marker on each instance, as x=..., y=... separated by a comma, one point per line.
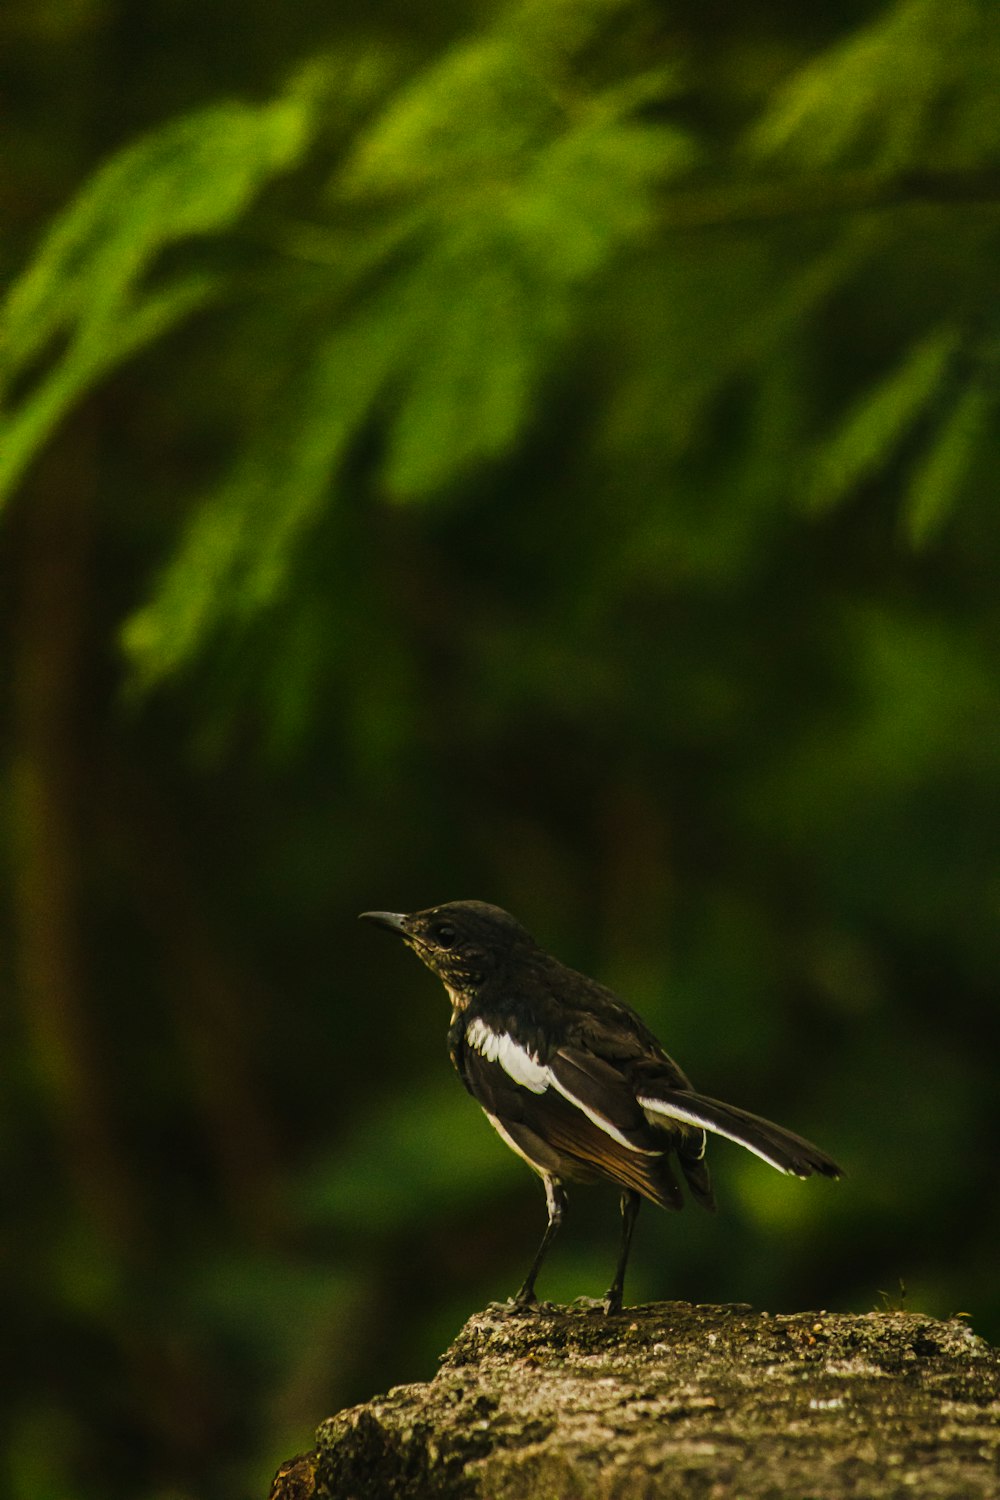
x=573, y=1080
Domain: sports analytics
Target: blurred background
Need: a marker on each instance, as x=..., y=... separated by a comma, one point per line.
x=544, y=453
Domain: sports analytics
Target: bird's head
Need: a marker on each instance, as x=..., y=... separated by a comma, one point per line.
x=463, y=942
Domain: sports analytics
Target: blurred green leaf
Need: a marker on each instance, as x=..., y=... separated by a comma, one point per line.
x=886, y=95
x=191, y=177
x=85, y=284
x=477, y=111
x=234, y=561
x=936, y=484
x=95, y=353
x=880, y=421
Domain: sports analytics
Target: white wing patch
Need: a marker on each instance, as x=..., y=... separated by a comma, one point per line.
x=517, y=1062
x=692, y=1117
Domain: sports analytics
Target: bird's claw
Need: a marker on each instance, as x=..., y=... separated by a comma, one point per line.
x=522, y=1302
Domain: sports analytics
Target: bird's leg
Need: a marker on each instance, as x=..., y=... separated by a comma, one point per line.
x=555, y=1200
x=630, y=1212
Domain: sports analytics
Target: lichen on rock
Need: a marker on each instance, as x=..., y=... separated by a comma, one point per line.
x=675, y=1400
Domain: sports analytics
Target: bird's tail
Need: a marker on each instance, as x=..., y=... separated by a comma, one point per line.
x=780, y=1148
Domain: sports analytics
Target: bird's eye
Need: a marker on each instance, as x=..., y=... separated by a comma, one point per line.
x=443, y=934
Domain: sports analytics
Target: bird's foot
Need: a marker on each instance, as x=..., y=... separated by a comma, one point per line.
x=612, y=1301
x=523, y=1301
x=509, y=1308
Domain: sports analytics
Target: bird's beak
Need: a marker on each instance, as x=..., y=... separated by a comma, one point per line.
x=392, y=921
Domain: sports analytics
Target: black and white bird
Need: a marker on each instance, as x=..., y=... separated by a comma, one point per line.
x=572, y=1079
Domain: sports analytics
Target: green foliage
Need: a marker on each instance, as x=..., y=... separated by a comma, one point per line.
x=940, y=477
x=239, y=547
x=473, y=215
x=883, y=418
x=84, y=300
x=476, y=113
x=909, y=89
x=498, y=205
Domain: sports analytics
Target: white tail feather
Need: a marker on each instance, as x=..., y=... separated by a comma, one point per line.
x=689, y=1115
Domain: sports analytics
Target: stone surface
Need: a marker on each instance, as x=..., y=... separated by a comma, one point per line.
x=675, y=1400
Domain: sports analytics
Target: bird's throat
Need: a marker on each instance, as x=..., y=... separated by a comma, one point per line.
x=460, y=999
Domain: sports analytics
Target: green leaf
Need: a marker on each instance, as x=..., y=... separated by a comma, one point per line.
x=85, y=362
x=483, y=109
x=469, y=387
x=892, y=94
x=194, y=175
x=879, y=422
x=480, y=108
x=938, y=478
x=495, y=299
x=86, y=283
x=235, y=558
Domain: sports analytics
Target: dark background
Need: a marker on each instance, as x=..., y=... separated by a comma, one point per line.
x=549, y=456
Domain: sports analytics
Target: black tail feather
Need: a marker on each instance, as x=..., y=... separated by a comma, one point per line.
x=695, y=1170
x=780, y=1148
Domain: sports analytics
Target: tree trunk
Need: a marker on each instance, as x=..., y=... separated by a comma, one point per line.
x=674, y=1400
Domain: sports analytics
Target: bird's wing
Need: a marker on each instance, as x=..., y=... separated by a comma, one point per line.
x=598, y=1089
x=574, y=1105
x=607, y=1093
x=619, y=1037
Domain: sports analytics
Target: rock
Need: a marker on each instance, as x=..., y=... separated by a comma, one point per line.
x=564, y=1403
